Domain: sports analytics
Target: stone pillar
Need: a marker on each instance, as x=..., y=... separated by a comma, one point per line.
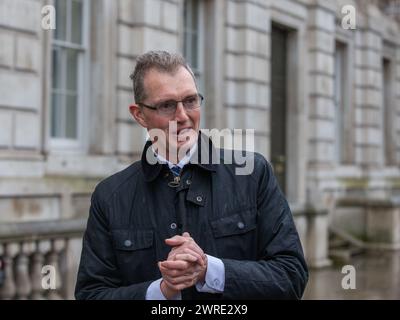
x=317, y=239
x=368, y=93
x=321, y=157
x=103, y=62
x=247, y=69
x=397, y=92
x=321, y=74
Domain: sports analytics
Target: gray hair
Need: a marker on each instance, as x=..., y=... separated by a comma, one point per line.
x=162, y=61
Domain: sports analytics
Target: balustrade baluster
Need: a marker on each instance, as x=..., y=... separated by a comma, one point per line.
x=22, y=278
x=53, y=260
x=8, y=289
x=37, y=263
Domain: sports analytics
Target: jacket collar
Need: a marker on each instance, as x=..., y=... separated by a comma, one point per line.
x=205, y=150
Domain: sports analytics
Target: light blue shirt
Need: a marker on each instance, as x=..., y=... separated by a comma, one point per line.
x=215, y=275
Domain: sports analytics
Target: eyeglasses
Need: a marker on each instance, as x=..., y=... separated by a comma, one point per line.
x=168, y=108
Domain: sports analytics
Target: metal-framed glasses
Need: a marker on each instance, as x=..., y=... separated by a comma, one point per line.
x=168, y=107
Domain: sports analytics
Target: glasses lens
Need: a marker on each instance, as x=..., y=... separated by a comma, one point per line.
x=192, y=102
x=166, y=107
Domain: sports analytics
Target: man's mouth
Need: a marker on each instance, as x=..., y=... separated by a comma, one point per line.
x=184, y=134
x=184, y=130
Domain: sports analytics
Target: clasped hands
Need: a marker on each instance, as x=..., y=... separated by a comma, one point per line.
x=185, y=266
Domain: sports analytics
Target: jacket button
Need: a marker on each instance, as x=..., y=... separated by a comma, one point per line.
x=240, y=225
x=127, y=243
x=173, y=226
x=199, y=198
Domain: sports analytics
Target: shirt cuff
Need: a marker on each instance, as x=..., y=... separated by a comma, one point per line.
x=215, y=276
x=154, y=292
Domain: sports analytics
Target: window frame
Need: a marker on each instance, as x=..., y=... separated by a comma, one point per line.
x=83, y=87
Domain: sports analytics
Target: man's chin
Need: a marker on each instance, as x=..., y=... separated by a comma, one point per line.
x=185, y=144
x=181, y=147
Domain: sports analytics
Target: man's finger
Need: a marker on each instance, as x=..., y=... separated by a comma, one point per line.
x=185, y=280
x=176, y=240
x=186, y=257
x=171, y=273
x=178, y=287
x=175, y=264
x=178, y=251
x=194, y=247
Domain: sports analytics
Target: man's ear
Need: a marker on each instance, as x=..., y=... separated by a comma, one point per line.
x=138, y=115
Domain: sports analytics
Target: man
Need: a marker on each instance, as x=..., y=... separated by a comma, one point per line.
x=173, y=227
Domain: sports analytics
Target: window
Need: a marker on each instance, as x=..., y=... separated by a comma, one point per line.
x=388, y=113
x=68, y=54
x=340, y=101
x=193, y=33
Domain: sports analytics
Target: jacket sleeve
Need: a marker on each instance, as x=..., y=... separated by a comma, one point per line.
x=98, y=274
x=280, y=271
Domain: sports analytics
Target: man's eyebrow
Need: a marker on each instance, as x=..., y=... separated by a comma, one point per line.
x=164, y=100
x=173, y=99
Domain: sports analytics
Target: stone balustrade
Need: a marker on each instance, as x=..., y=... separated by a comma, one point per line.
x=37, y=260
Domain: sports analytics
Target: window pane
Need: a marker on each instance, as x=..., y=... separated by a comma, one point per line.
x=195, y=51
x=191, y=32
x=340, y=111
x=56, y=76
x=71, y=117
x=61, y=19
x=56, y=115
x=76, y=22
x=72, y=69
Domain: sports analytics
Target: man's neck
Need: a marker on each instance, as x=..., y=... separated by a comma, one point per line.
x=180, y=160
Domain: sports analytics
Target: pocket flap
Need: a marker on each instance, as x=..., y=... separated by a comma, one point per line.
x=128, y=240
x=233, y=224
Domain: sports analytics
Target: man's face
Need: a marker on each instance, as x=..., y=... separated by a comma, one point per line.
x=161, y=86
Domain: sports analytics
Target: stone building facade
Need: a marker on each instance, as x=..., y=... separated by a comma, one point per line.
x=324, y=101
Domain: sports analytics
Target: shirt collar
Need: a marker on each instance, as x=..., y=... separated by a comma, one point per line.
x=151, y=169
x=185, y=160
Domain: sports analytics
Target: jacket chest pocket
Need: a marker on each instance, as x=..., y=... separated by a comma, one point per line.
x=135, y=253
x=235, y=235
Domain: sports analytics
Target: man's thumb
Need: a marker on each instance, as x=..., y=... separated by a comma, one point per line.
x=174, y=241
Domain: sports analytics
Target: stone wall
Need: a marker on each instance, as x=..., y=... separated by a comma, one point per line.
x=21, y=68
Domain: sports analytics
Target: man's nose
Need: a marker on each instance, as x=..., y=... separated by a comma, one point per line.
x=180, y=113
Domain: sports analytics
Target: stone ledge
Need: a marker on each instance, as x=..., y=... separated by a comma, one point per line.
x=367, y=202
x=32, y=231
